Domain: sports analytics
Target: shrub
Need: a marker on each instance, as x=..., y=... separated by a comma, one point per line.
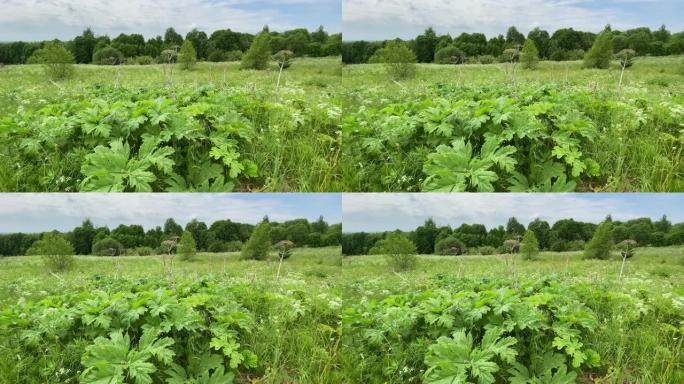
x=450, y=55
x=601, y=243
x=108, y=56
x=108, y=247
x=188, y=55
x=511, y=246
x=283, y=59
x=217, y=56
x=486, y=250
x=510, y=55
x=529, y=247
x=575, y=54
x=259, y=243
x=168, y=56
x=259, y=53
x=486, y=59
x=575, y=245
x=235, y=55
x=450, y=246
x=58, y=254
x=217, y=247
x=626, y=248
x=399, y=251
x=626, y=57
x=141, y=251
x=529, y=56
x=144, y=60
x=601, y=52
x=234, y=246
x=284, y=249
x=57, y=61
x=398, y=59
x=187, y=248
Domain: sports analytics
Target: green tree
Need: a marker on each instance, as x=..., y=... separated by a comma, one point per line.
x=84, y=46
x=450, y=55
x=399, y=251
x=601, y=244
x=258, y=54
x=450, y=246
x=56, y=59
x=108, y=247
x=529, y=56
x=187, y=56
x=57, y=253
x=108, y=56
x=171, y=228
x=187, y=249
x=426, y=236
x=514, y=228
x=426, y=45
x=529, y=247
x=398, y=59
x=601, y=52
x=259, y=243
x=82, y=238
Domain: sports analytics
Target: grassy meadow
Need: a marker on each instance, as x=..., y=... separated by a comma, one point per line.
x=626, y=137
x=334, y=319
x=232, y=129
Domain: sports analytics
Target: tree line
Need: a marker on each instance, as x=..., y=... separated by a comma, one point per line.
x=563, y=235
x=219, y=236
x=221, y=45
x=561, y=45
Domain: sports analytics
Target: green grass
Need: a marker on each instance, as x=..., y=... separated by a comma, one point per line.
x=296, y=145
x=638, y=143
x=639, y=336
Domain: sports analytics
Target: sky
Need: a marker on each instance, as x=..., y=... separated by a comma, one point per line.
x=40, y=212
x=372, y=212
x=31, y=20
x=388, y=19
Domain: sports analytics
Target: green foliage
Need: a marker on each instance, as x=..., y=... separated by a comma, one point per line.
x=284, y=249
x=258, y=54
x=108, y=247
x=626, y=57
x=601, y=243
x=529, y=56
x=108, y=56
x=57, y=252
x=283, y=58
x=601, y=52
x=187, y=56
x=399, y=251
x=450, y=55
x=187, y=249
x=529, y=246
x=398, y=59
x=259, y=244
x=57, y=60
x=626, y=248
x=450, y=246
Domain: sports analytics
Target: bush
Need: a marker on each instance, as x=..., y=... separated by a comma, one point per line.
x=511, y=246
x=529, y=56
x=187, y=248
x=486, y=59
x=529, y=247
x=140, y=251
x=626, y=57
x=217, y=56
x=575, y=245
x=144, y=60
x=58, y=254
x=626, y=248
x=602, y=243
x=234, y=246
x=399, y=251
x=233, y=55
x=108, y=56
x=450, y=55
x=108, y=247
x=168, y=56
x=188, y=55
x=398, y=59
x=284, y=249
x=601, y=52
x=259, y=243
x=450, y=246
x=217, y=247
x=57, y=61
x=259, y=53
x=283, y=59
x=486, y=250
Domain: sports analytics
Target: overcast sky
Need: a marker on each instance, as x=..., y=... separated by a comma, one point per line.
x=31, y=20
x=48, y=211
x=387, y=19
x=368, y=212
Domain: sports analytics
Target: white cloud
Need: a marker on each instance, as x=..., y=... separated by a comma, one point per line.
x=389, y=211
x=381, y=19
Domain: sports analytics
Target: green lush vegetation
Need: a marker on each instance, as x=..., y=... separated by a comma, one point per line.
x=154, y=128
x=328, y=318
x=500, y=127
